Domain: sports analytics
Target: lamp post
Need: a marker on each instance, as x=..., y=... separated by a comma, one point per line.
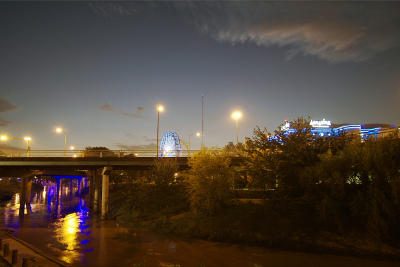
x=61, y=131
x=160, y=108
x=27, y=139
x=236, y=115
x=202, y=122
x=198, y=134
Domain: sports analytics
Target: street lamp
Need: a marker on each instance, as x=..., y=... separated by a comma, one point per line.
x=27, y=139
x=198, y=134
x=236, y=115
x=61, y=131
x=160, y=108
x=71, y=148
x=188, y=143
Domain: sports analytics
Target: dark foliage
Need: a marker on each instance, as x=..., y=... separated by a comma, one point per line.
x=161, y=193
x=98, y=151
x=306, y=186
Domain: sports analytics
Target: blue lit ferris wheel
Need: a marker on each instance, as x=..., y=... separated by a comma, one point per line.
x=170, y=145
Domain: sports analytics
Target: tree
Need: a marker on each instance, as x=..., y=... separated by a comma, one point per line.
x=235, y=150
x=210, y=180
x=281, y=158
x=164, y=172
x=98, y=151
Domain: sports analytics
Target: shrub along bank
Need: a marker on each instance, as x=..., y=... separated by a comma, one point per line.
x=335, y=193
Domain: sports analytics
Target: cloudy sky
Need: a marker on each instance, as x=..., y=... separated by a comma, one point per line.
x=98, y=69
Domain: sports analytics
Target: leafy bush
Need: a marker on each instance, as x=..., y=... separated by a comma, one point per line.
x=163, y=194
x=210, y=179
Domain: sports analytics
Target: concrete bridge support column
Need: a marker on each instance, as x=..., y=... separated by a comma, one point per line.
x=104, y=191
x=79, y=185
x=95, y=189
x=58, y=189
x=96, y=198
x=89, y=177
x=70, y=188
x=22, y=197
x=58, y=194
x=28, y=194
x=25, y=196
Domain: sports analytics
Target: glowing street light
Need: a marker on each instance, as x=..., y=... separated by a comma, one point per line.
x=27, y=139
x=160, y=108
x=198, y=134
x=60, y=130
x=236, y=115
x=71, y=148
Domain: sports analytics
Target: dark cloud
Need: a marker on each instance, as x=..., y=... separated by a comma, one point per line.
x=8, y=148
x=332, y=31
x=131, y=135
x=150, y=146
x=5, y=106
x=137, y=114
x=112, y=10
x=106, y=107
x=137, y=138
x=4, y=122
x=149, y=139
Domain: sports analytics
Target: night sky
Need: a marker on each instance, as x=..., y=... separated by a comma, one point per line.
x=99, y=69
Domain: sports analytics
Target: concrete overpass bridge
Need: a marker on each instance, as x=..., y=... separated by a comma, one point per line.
x=92, y=170
x=87, y=167
x=82, y=163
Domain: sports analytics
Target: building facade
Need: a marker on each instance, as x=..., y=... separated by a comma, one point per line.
x=325, y=128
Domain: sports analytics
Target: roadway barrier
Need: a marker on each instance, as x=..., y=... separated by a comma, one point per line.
x=99, y=153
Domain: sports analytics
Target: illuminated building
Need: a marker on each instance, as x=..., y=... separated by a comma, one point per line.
x=324, y=128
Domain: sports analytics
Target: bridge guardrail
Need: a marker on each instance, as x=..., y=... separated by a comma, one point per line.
x=98, y=153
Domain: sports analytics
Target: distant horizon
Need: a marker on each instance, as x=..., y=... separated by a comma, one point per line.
x=22, y=147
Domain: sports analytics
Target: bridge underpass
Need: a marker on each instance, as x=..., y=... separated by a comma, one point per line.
x=95, y=170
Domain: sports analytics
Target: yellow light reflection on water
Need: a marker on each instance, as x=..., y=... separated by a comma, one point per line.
x=71, y=224
x=67, y=231
x=16, y=205
x=44, y=192
x=17, y=199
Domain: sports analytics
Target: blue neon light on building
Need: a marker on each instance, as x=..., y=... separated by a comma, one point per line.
x=326, y=131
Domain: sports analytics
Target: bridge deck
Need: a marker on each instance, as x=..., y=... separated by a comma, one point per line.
x=86, y=162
